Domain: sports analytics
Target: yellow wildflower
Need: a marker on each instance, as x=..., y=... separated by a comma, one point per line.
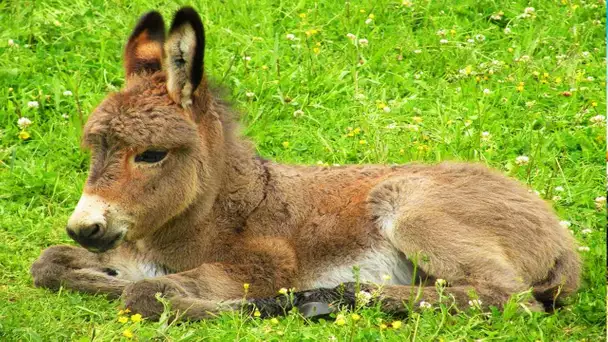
x=383, y=326
x=136, y=318
x=257, y=313
x=396, y=324
x=520, y=87
x=316, y=50
x=283, y=291
x=371, y=16
x=302, y=15
x=127, y=333
x=246, y=287
x=340, y=320
x=357, y=130
x=510, y=49
x=264, y=67
x=362, y=10
x=274, y=321
x=594, y=104
x=123, y=319
x=468, y=70
x=23, y=135
x=355, y=317
x=401, y=151
x=452, y=32
x=417, y=119
x=286, y=144
x=362, y=142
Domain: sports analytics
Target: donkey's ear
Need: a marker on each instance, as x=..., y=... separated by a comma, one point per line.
x=185, y=51
x=144, y=51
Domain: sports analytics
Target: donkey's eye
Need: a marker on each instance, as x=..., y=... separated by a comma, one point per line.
x=150, y=156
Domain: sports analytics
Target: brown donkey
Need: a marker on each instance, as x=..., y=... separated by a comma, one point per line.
x=178, y=203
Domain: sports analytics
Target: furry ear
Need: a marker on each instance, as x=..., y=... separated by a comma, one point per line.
x=185, y=51
x=144, y=51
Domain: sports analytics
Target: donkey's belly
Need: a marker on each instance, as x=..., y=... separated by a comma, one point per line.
x=383, y=265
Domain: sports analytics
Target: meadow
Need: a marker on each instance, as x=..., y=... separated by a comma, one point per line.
x=517, y=85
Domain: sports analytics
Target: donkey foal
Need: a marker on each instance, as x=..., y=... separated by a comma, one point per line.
x=178, y=203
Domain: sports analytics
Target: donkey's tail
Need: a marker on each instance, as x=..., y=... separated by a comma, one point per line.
x=562, y=280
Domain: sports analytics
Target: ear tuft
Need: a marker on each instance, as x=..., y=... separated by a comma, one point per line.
x=144, y=51
x=185, y=52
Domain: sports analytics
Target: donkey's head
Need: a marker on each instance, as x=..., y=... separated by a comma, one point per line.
x=156, y=145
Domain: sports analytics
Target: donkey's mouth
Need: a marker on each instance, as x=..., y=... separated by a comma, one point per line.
x=104, y=244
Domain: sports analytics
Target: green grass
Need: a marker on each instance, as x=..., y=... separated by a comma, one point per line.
x=438, y=111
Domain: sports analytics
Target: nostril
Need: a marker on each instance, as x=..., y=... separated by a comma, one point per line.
x=71, y=233
x=90, y=231
x=95, y=230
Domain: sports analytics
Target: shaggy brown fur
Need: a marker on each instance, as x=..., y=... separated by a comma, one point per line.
x=177, y=202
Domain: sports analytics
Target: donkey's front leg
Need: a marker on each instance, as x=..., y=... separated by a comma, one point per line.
x=259, y=268
x=76, y=269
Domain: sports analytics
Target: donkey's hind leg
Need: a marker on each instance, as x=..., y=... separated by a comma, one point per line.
x=76, y=269
x=461, y=251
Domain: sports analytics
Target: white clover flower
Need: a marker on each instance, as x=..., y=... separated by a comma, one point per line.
x=247, y=58
x=369, y=21
x=67, y=93
x=11, y=42
x=298, y=113
x=600, y=203
x=290, y=36
x=590, y=78
x=470, y=40
x=363, y=42
x=556, y=198
x=584, y=249
x=441, y=33
x=387, y=109
x=418, y=75
x=414, y=128
x=443, y=41
x=485, y=135
x=475, y=302
x=65, y=116
x=586, y=231
x=565, y=224
x=351, y=36
x=522, y=160
x=529, y=10
x=598, y=120
x=360, y=96
x=507, y=30
x=249, y=94
x=417, y=51
x=480, y=37
x=33, y=104
x=559, y=188
x=487, y=91
x=363, y=297
x=586, y=54
x=425, y=305
x=24, y=122
x=391, y=126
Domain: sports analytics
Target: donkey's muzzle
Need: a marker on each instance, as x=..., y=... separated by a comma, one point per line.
x=94, y=237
